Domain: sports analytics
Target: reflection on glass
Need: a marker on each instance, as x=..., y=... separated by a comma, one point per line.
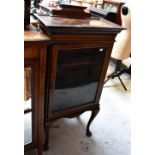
x=110, y=7
x=27, y=107
x=78, y=73
x=27, y=128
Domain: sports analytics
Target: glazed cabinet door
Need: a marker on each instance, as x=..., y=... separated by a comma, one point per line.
x=76, y=73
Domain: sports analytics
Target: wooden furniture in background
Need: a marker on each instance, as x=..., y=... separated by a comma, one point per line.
x=27, y=4
x=34, y=80
x=77, y=62
x=115, y=7
x=108, y=9
x=72, y=11
x=87, y=3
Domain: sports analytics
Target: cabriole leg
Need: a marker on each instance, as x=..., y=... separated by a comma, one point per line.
x=93, y=115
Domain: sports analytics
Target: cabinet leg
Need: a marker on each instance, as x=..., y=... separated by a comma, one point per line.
x=39, y=151
x=93, y=115
x=46, y=146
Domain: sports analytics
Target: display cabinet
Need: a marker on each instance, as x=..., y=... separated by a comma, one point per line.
x=34, y=76
x=77, y=62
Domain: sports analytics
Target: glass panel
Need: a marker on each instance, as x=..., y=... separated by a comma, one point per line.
x=27, y=107
x=78, y=74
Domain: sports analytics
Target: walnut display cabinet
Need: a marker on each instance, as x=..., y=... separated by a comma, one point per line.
x=77, y=62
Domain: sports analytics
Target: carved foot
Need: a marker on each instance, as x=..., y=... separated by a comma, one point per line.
x=46, y=147
x=93, y=115
x=88, y=133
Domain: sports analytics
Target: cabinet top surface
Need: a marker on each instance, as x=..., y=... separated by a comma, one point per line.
x=56, y=24
x=71, y=22
x=32, y=34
